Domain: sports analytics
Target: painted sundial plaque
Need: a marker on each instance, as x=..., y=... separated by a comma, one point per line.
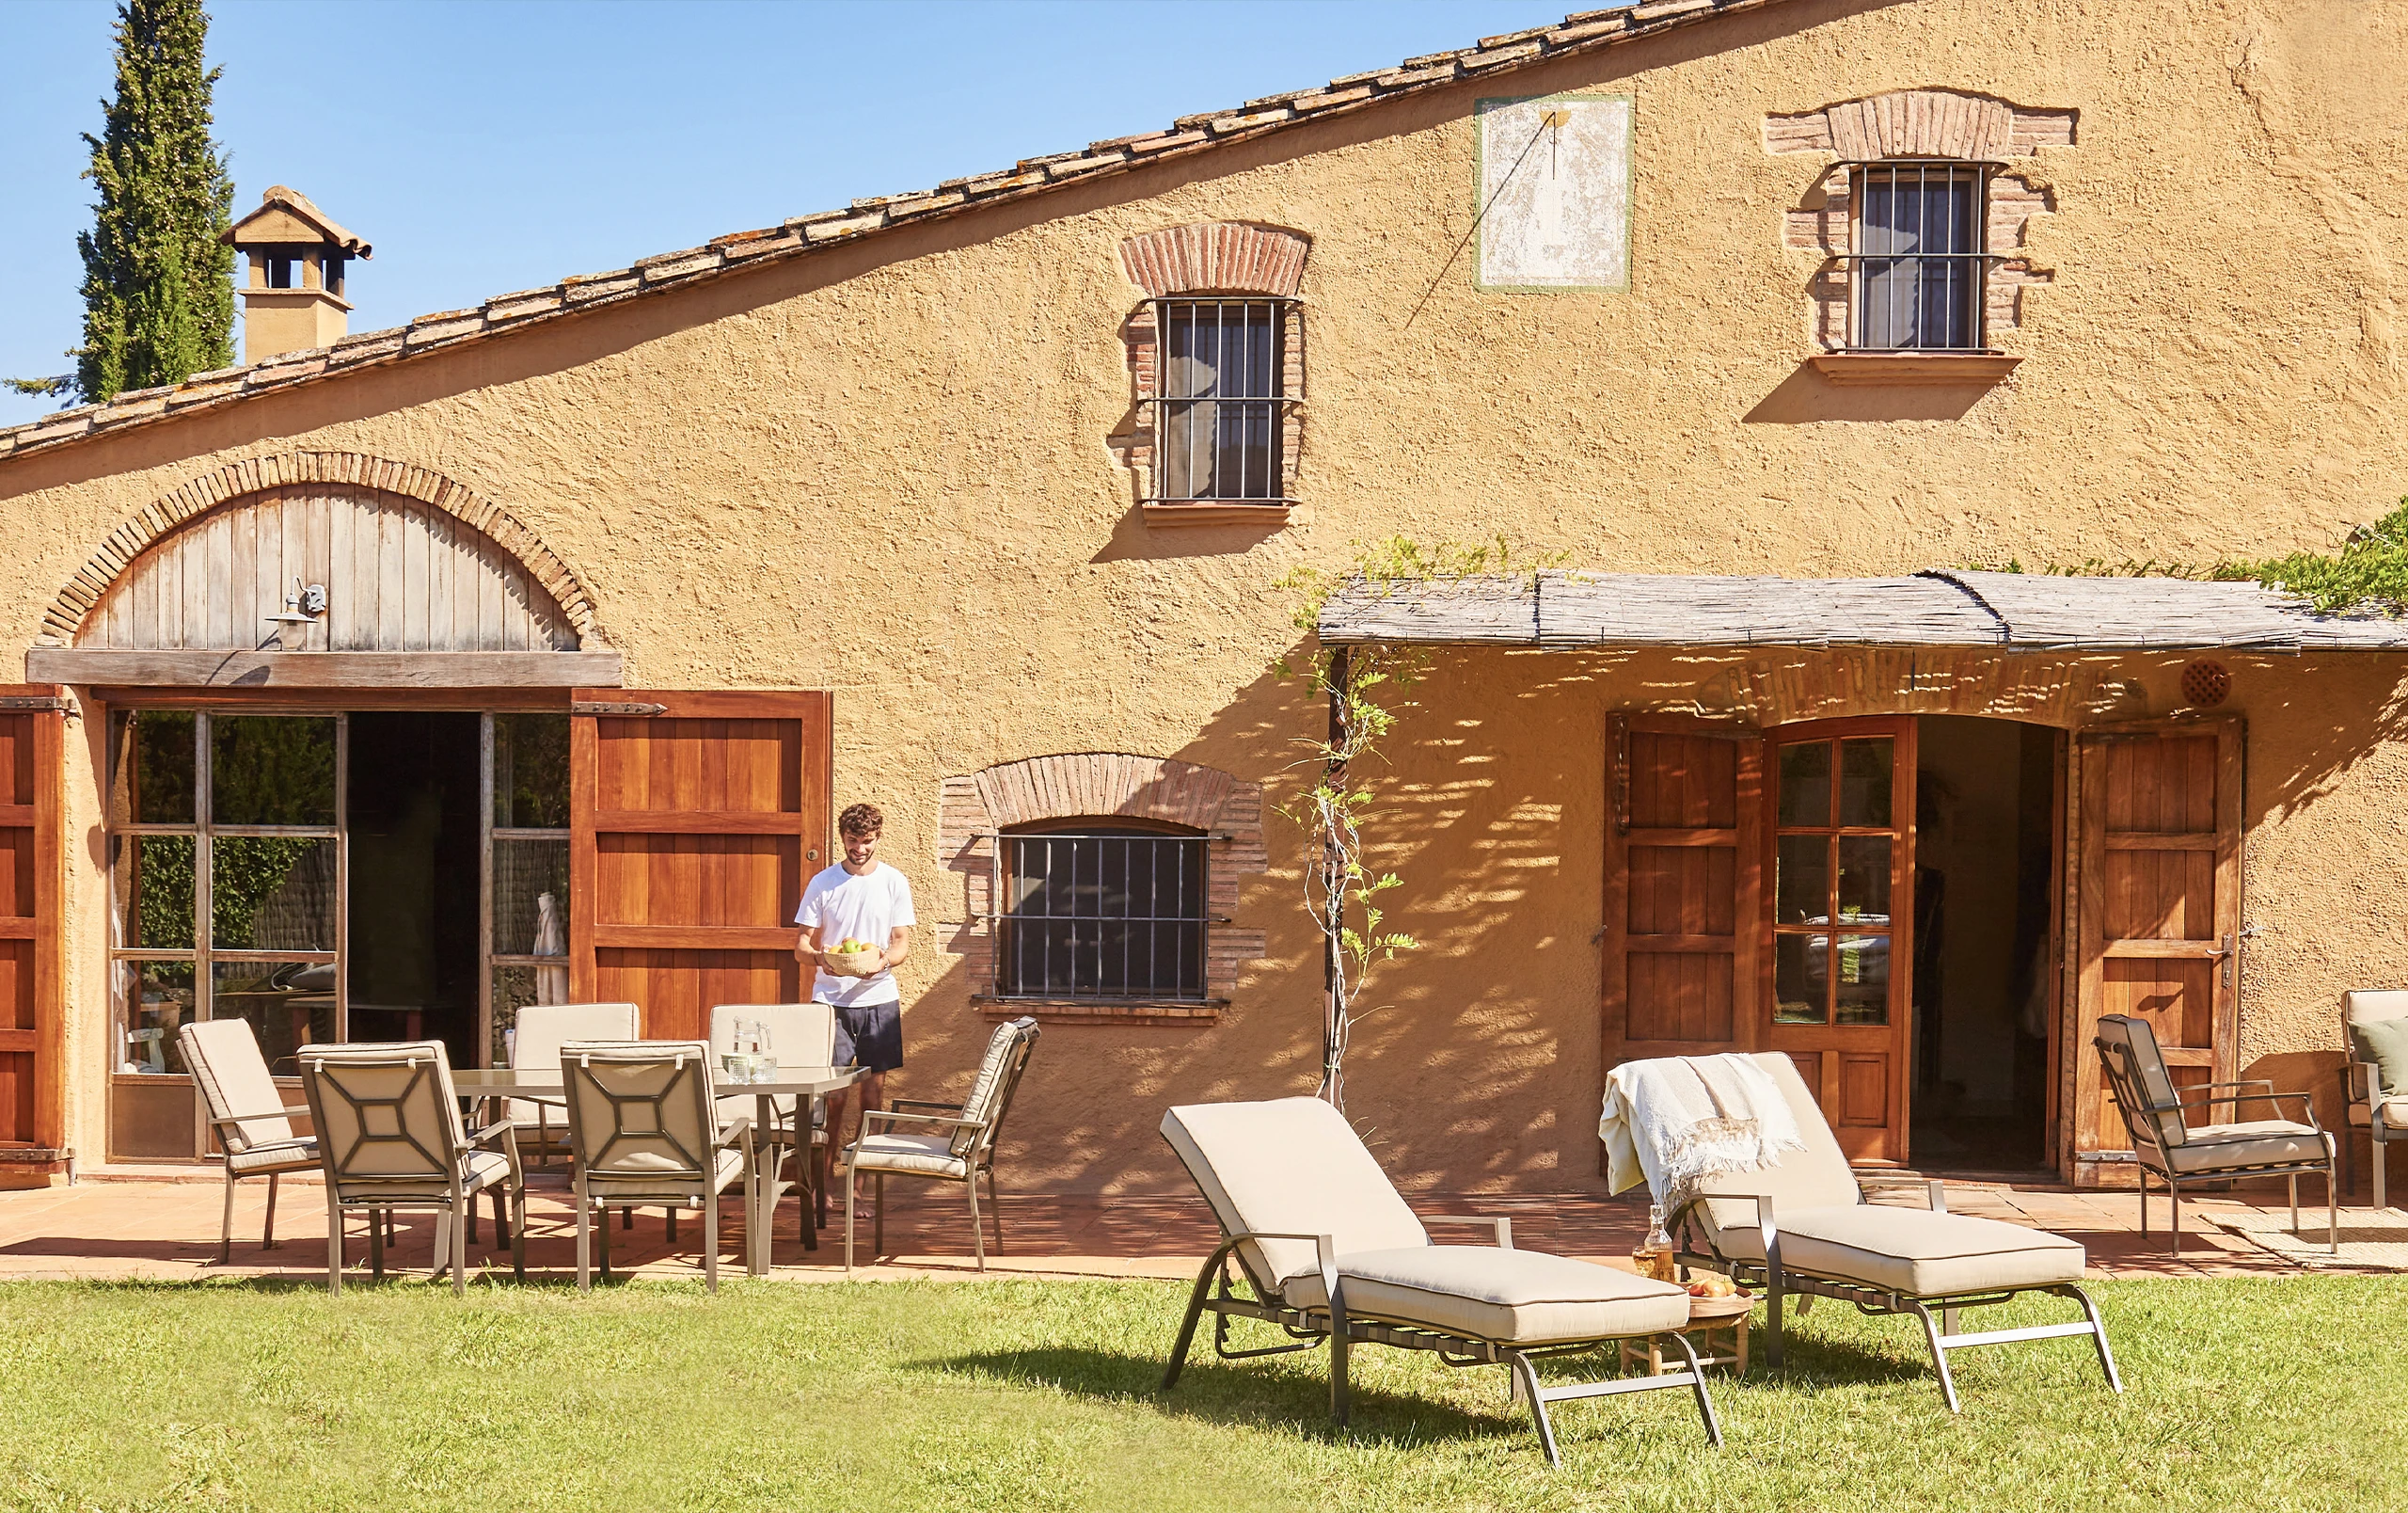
x=1555, y=193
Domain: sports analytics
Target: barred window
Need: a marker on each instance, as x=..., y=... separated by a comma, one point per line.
x=1100, y=911
x=1921, y=257
x=1222, y=401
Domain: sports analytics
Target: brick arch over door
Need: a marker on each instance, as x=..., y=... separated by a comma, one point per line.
x=541, y=604
x=1096, y=786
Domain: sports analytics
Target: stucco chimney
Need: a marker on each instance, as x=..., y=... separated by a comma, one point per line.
x=293, y=294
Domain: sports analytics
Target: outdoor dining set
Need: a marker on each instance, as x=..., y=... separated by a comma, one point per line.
x=603, y=1118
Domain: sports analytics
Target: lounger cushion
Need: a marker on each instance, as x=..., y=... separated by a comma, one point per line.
x=728, y=1166
x=2251, y=1143
x=1815, y=1177
x=1913, y=1250
x=932, y=1154
x=2395, y=1114
x=1290, y=1166
x=1511, y=1297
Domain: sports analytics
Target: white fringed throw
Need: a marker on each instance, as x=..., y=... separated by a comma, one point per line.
x=1678, y=1120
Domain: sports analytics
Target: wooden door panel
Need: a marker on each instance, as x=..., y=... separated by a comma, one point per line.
x=1863, y=1092
x=692, y=831
x=1681, y=866
x=31, y=879
x=2159, y=902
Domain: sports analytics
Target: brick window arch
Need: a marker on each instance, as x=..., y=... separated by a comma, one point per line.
x=1216, y=361
x=988, y=815
x=1875, y=142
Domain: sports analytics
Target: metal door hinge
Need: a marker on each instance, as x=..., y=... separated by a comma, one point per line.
x=48, y=703
x=638, y=710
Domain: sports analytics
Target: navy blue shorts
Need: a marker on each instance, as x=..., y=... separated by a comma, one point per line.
x=870, y=1035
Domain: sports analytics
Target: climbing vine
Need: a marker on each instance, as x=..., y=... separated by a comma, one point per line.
x=2368, y=571
x=1367, y=688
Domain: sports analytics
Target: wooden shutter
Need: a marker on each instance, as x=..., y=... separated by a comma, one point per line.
x=2158, y=895
x=31, y=876
x=695, y=820
x=1683, y=911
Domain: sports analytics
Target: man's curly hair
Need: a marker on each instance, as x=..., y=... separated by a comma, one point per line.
x=860, y=820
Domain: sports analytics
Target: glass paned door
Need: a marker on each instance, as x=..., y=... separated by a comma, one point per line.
x=526, y=871
x=1843, y=863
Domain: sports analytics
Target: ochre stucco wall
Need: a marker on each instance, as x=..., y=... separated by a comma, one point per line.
x=882, y=470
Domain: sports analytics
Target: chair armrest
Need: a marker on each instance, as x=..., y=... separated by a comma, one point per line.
x=1934, y=1192
x=923, y=1102
x=1762, y=1200
x=1504, y=1227
x=1324, y=1252
x=2206, y=1095
x=292, y=1112
x=892, y=1117
x=499, y=1126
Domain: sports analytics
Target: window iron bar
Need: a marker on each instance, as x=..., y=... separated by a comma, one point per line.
x=1087, y=914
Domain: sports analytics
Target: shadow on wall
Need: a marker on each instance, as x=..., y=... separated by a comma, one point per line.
x=1806, y=396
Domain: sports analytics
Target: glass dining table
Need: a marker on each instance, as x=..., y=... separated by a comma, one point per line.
x=764, y=1185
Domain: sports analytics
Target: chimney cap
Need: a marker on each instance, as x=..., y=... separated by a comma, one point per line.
x=272, y=224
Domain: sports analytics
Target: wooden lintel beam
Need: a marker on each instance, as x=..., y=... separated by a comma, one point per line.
x=323, y=669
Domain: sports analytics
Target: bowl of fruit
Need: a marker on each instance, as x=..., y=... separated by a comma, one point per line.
x=1714, y=1295
x=853, y=957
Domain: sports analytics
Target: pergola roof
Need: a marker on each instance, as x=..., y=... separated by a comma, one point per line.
x=2007, y=612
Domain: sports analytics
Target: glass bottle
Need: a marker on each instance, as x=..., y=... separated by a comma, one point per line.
x=1652, y=1256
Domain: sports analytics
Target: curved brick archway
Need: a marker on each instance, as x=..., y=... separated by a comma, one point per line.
x=1217, y=257
x=172, y=512
x=1091, y=785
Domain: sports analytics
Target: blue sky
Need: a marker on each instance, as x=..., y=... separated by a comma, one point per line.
x=485, y=148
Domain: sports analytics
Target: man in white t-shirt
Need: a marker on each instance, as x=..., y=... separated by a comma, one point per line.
x=861, y=899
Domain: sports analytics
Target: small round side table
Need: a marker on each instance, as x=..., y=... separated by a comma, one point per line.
x=1708, y=1317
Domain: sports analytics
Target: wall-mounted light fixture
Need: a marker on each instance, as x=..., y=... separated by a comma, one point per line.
x=303, y=606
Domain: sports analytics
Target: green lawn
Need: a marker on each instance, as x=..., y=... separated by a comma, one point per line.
x=2246, y=1394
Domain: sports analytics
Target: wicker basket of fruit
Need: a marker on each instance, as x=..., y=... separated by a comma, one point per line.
x=853, y=957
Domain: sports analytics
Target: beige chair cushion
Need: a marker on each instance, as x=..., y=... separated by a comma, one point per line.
x=801, y=1034
x=2394, y=1115
x=927, y=1154
x=642, y=1110
x=1511, y=1297
x=479, y=1169
x=2363, y=1008
x=223, y=1055
x=1913, y=1250
x=543, y=1028
x=2251, y=1143
x=1815, y=1177
x=1290, y=1166
x=625, y=1186
x=385, y=1111
x=284, y=1156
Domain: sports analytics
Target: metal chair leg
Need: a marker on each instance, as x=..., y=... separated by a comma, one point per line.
x=711, y=1244
x=518, y=1235
x=585, y=1244
x=376, y=1243
x=2174, y=1191
x=2099, y=1337
x=334, y=1246
x=1202, y=1290
x=226, y=1229
x=877, y=1240
x=1696, y=1384
x=2294, y=1184
x=848, y=1226
x=1939, y=1355
x=267, y=1235
x=2144, y=1176
x=1339, y=1402
x=978, y=1235
x=995, y=1206
x=460, y=1245
x=1523, y=1371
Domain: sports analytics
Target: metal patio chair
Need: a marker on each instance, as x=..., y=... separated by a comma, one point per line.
x=2181, y=1152
x=2367, y=1103
x=799, y=1034
x=645, y=1124
x=960, y=1144
x=249, y=1117
x=1801, y=1226
x=391, y=1138
x=541, y=1031
x=1328, y=1251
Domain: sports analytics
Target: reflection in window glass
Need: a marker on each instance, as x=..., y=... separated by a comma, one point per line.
x=1800, y=980
x=525, y=873
x=271, y=893
x=1864, y=985
x=271, y=770
x=151, y=767
x=1806, y=784
x=1864, y=879
x=151, y=1000
x=1864, y=781
x=289, y=1004
x=152, y=878
x=530, y=772
x=1802, y=879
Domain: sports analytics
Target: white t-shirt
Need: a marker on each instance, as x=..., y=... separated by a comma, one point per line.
x=849, y=906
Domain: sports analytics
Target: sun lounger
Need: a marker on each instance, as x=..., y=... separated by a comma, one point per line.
x=1330, y=1252
x=1800, y=1226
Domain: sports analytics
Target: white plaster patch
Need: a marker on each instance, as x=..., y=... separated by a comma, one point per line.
x=1555, y=193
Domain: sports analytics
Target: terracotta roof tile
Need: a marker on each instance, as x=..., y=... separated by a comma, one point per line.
x=722, y=254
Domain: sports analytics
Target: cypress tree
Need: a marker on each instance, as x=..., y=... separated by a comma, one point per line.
x=158, y=285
